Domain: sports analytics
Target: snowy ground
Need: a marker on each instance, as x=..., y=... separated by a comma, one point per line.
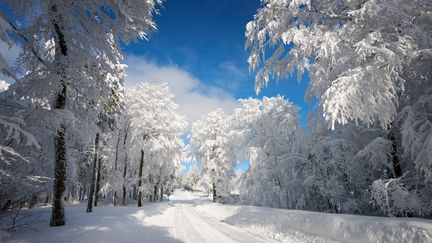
x=190, y=217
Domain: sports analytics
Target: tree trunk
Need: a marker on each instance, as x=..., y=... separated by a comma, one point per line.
x=124, y=196
x=57, y=214
x=115, y=169
x=92, y=183
x=139, y=199
x=98, y=181
x=125, y=168
x=80, y=194
x=155, y=193
x=115, y=198
x=161, y=193
x=139, y=178
x=116, y=153
x=60, y=166
x=124, y=182
x=214, y=192
x=395, y=169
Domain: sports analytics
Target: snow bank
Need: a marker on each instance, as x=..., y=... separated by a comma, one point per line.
x=302, y=226
x=105, y=224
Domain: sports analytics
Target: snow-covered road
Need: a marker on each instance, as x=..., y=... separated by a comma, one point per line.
x=193, y=226
x=192, y=217
x=174, y=221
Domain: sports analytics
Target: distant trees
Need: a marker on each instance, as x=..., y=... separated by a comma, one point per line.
x=209, y=142
x=155, y=139
x=193, y=177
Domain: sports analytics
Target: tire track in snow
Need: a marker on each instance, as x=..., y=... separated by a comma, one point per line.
x=235, y=234
x=193, y=229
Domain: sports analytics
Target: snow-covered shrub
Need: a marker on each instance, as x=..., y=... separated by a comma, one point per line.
x=394, y=199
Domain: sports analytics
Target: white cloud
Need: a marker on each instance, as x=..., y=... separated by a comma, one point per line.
x=233, y=70
x=194, y=97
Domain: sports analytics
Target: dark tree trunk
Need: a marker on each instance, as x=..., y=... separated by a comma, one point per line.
x=115, y=198
x=116, y=153
x=98, y=181
x=214, y=192
x=155, y=193
x=124, y=196
x=57, y=215
x=161, y=193
x=61, y=52
x=80, y=194
x=124, y=181
x=115, y=168
x=396, y=170
x=125, y=167
x=93, y=175
x=139, y=178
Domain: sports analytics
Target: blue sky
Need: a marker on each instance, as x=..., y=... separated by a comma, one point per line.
x=199, y=50
x=205, y=40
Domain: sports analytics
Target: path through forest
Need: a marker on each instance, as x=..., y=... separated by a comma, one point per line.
x=176, y=220
x=193, y=226
x=192, y=217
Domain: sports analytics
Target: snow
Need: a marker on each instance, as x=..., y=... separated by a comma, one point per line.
x=3, y=84
x=192, y=217
x=304, y=226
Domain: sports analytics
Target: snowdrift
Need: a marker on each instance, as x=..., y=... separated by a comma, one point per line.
x=302, y=226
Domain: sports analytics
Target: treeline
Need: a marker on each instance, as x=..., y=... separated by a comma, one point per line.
x=367, y=147
x=69, y=131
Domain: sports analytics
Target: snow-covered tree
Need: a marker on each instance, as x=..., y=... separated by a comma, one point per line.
x=210, y=143
x=155, y=136
x=20, y=174
x=269, y=129
x=192, y=177
x=339, y=173
x=364, y=57
x=360, y=55
x=368, y=63
x=60, y=42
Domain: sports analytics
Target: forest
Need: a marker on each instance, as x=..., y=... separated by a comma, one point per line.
x=72, y=133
